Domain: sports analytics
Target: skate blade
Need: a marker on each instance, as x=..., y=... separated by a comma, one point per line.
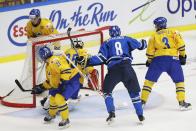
x=185, y=109
x=64, y=127
x=48, y=122
x=109, y=122
x=141, y=123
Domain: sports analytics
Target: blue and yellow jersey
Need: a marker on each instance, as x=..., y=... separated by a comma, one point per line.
x=165, y=42
x=57, y=70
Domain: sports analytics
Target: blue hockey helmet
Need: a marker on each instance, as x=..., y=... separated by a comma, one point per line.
x=34, y=13
x=160, y=22
x=114, y=31
x=45, y=53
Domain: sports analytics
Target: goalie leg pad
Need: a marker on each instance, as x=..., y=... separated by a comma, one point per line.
x=94, y=75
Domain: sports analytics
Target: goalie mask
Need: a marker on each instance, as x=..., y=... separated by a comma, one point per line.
x=78, y=43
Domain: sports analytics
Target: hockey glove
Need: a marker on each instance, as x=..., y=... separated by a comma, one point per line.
x=182, y=60
x=147, y=63
x=143, y=44
x=81, y=60
x=38, y=89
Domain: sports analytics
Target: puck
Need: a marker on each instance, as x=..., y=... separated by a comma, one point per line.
x=86, y=94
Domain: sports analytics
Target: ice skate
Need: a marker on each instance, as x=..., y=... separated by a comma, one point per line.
x=110, y=118
x=64, y=124
x=48, y=118
x=141, y=118
x=45, y=103
x=184, y=106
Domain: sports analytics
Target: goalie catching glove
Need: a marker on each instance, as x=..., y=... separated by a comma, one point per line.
x=38, y=89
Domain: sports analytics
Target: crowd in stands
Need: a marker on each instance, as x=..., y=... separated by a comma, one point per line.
x=6, y=3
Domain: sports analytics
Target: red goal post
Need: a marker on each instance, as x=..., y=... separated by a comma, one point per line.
x=33, y=71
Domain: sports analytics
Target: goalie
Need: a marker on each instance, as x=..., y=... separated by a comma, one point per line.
x=93, y=84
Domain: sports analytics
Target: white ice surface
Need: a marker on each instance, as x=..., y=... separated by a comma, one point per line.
x=161, y=112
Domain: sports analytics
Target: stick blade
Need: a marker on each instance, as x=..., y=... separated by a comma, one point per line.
x=20, y=86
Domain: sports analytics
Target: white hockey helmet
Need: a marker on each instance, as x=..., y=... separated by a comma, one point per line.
x=78, y=43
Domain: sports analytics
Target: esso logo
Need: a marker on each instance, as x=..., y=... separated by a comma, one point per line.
x=17, y=31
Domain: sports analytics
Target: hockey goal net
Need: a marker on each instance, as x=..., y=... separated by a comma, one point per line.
x=34, y=71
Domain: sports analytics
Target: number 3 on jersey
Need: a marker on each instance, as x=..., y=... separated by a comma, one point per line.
x=118, y=48
x=166, y=41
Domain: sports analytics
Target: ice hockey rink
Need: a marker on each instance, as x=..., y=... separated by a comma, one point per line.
x=161, y=112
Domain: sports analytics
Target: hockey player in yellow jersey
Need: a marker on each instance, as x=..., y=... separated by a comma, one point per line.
x=165, y=53
x=62, y=81
x=91, y=71
x=38, y=26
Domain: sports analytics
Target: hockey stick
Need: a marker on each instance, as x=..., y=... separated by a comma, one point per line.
x=18, y=83
x=2, y=97
x=85, y=76
x=40, y=67
x=138, y=64
x=21, y=87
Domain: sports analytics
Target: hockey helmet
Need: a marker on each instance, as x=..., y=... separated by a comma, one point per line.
x=114, y=31
x=45, y=53
x=34, y=13
x=78, y=43
x=160, y=22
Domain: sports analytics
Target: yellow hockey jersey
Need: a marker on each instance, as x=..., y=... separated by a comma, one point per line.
x=44, y=28
x=71, y=53
x=57, y=70
x=165, y=42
